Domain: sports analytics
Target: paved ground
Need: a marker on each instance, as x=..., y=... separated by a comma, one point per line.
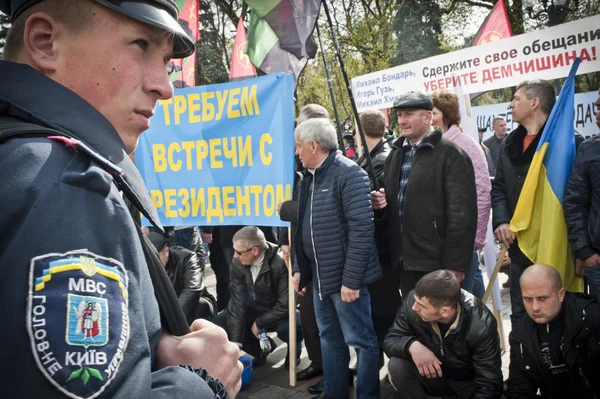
x=271, y=381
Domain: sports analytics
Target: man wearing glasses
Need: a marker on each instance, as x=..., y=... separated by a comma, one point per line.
x=258, y=287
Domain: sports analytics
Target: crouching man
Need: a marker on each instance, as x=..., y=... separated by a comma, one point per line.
x=258, y=285
x=186, y=272
x=555, y=347
x=443, y=342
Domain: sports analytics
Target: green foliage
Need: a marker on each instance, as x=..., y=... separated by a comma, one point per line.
x=418, y=26
x=211, y=61
x=367, y=42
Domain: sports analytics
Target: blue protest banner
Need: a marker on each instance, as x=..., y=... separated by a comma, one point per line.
x=221, y=154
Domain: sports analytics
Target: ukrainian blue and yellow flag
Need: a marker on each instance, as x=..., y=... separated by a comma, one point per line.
x=539, y=220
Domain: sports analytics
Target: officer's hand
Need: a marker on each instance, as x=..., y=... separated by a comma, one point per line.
x=279, y=208
x=378, y=199
x=349, y=295
x=425, y=360
x=592, y=261
x=205, y=347
x=503, y=234
x=297, y=284
x=207, y=238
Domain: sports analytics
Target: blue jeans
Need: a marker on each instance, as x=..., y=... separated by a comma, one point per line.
x=592, y=280
x=341, y=325
x=184, y=238
x=473, y=281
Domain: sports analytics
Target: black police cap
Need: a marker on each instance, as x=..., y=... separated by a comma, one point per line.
x=413, y=100
x=162, y=14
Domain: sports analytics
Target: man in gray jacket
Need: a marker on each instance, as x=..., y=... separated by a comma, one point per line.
x=335, y=248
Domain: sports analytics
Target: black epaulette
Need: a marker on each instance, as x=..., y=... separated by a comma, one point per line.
x=77, y=146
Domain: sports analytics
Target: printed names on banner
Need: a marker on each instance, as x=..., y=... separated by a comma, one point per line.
x=220, y=154
x=543, y=54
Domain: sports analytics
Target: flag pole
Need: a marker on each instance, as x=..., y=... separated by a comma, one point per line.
x=292, y=344
x=488, y=290
x=354, y=109
x=335, y=111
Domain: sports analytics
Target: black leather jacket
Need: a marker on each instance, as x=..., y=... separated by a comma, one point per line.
x=379, y=154
x=266, y=299
x=186, y=273
x=469, y=351
x=581, y=350
x=582, y=200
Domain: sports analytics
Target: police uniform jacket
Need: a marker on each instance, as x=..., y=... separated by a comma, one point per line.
x=77, y=304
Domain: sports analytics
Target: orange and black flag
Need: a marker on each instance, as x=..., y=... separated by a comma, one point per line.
x=495, y=27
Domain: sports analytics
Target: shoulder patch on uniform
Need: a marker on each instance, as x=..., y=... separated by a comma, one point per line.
x=78, y=320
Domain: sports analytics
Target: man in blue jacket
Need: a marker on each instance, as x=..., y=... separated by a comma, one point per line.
x=335, y=248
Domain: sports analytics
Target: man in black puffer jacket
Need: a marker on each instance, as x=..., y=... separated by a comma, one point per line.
x=555, y=347
x=258, y=286
x=335, y=248
x=444, y=342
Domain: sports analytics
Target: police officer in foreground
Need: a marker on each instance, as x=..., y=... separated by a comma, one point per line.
x=79, y=302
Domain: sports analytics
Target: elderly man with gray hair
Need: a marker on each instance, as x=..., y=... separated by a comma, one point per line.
x=335, y=248
x=288, y=211
x=259, y=295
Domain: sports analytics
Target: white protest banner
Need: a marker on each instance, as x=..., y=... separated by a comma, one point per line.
x=544, y=54
x=585, y=115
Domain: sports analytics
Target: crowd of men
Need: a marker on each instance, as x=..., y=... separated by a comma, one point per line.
x=384, y=262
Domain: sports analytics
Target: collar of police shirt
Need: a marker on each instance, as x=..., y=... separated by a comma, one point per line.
x=46, y=106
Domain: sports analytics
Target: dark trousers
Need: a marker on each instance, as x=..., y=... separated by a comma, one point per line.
x=221, y=268
x=516, y=297
x=312, y=341
x=409, y=384
x=408, y=280
x=206, y=308
x=251, y=344
x=385, y=301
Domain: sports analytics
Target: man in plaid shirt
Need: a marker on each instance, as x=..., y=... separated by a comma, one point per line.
x=428, y=208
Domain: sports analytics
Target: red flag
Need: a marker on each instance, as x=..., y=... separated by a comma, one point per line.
x=185, y=69
x=495, y=27
x=241, y=67
x=384, y=111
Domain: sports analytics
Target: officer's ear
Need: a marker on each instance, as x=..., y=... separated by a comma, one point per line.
x=39, y=42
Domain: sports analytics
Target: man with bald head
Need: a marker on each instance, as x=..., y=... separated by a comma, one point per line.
x=555, y=348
